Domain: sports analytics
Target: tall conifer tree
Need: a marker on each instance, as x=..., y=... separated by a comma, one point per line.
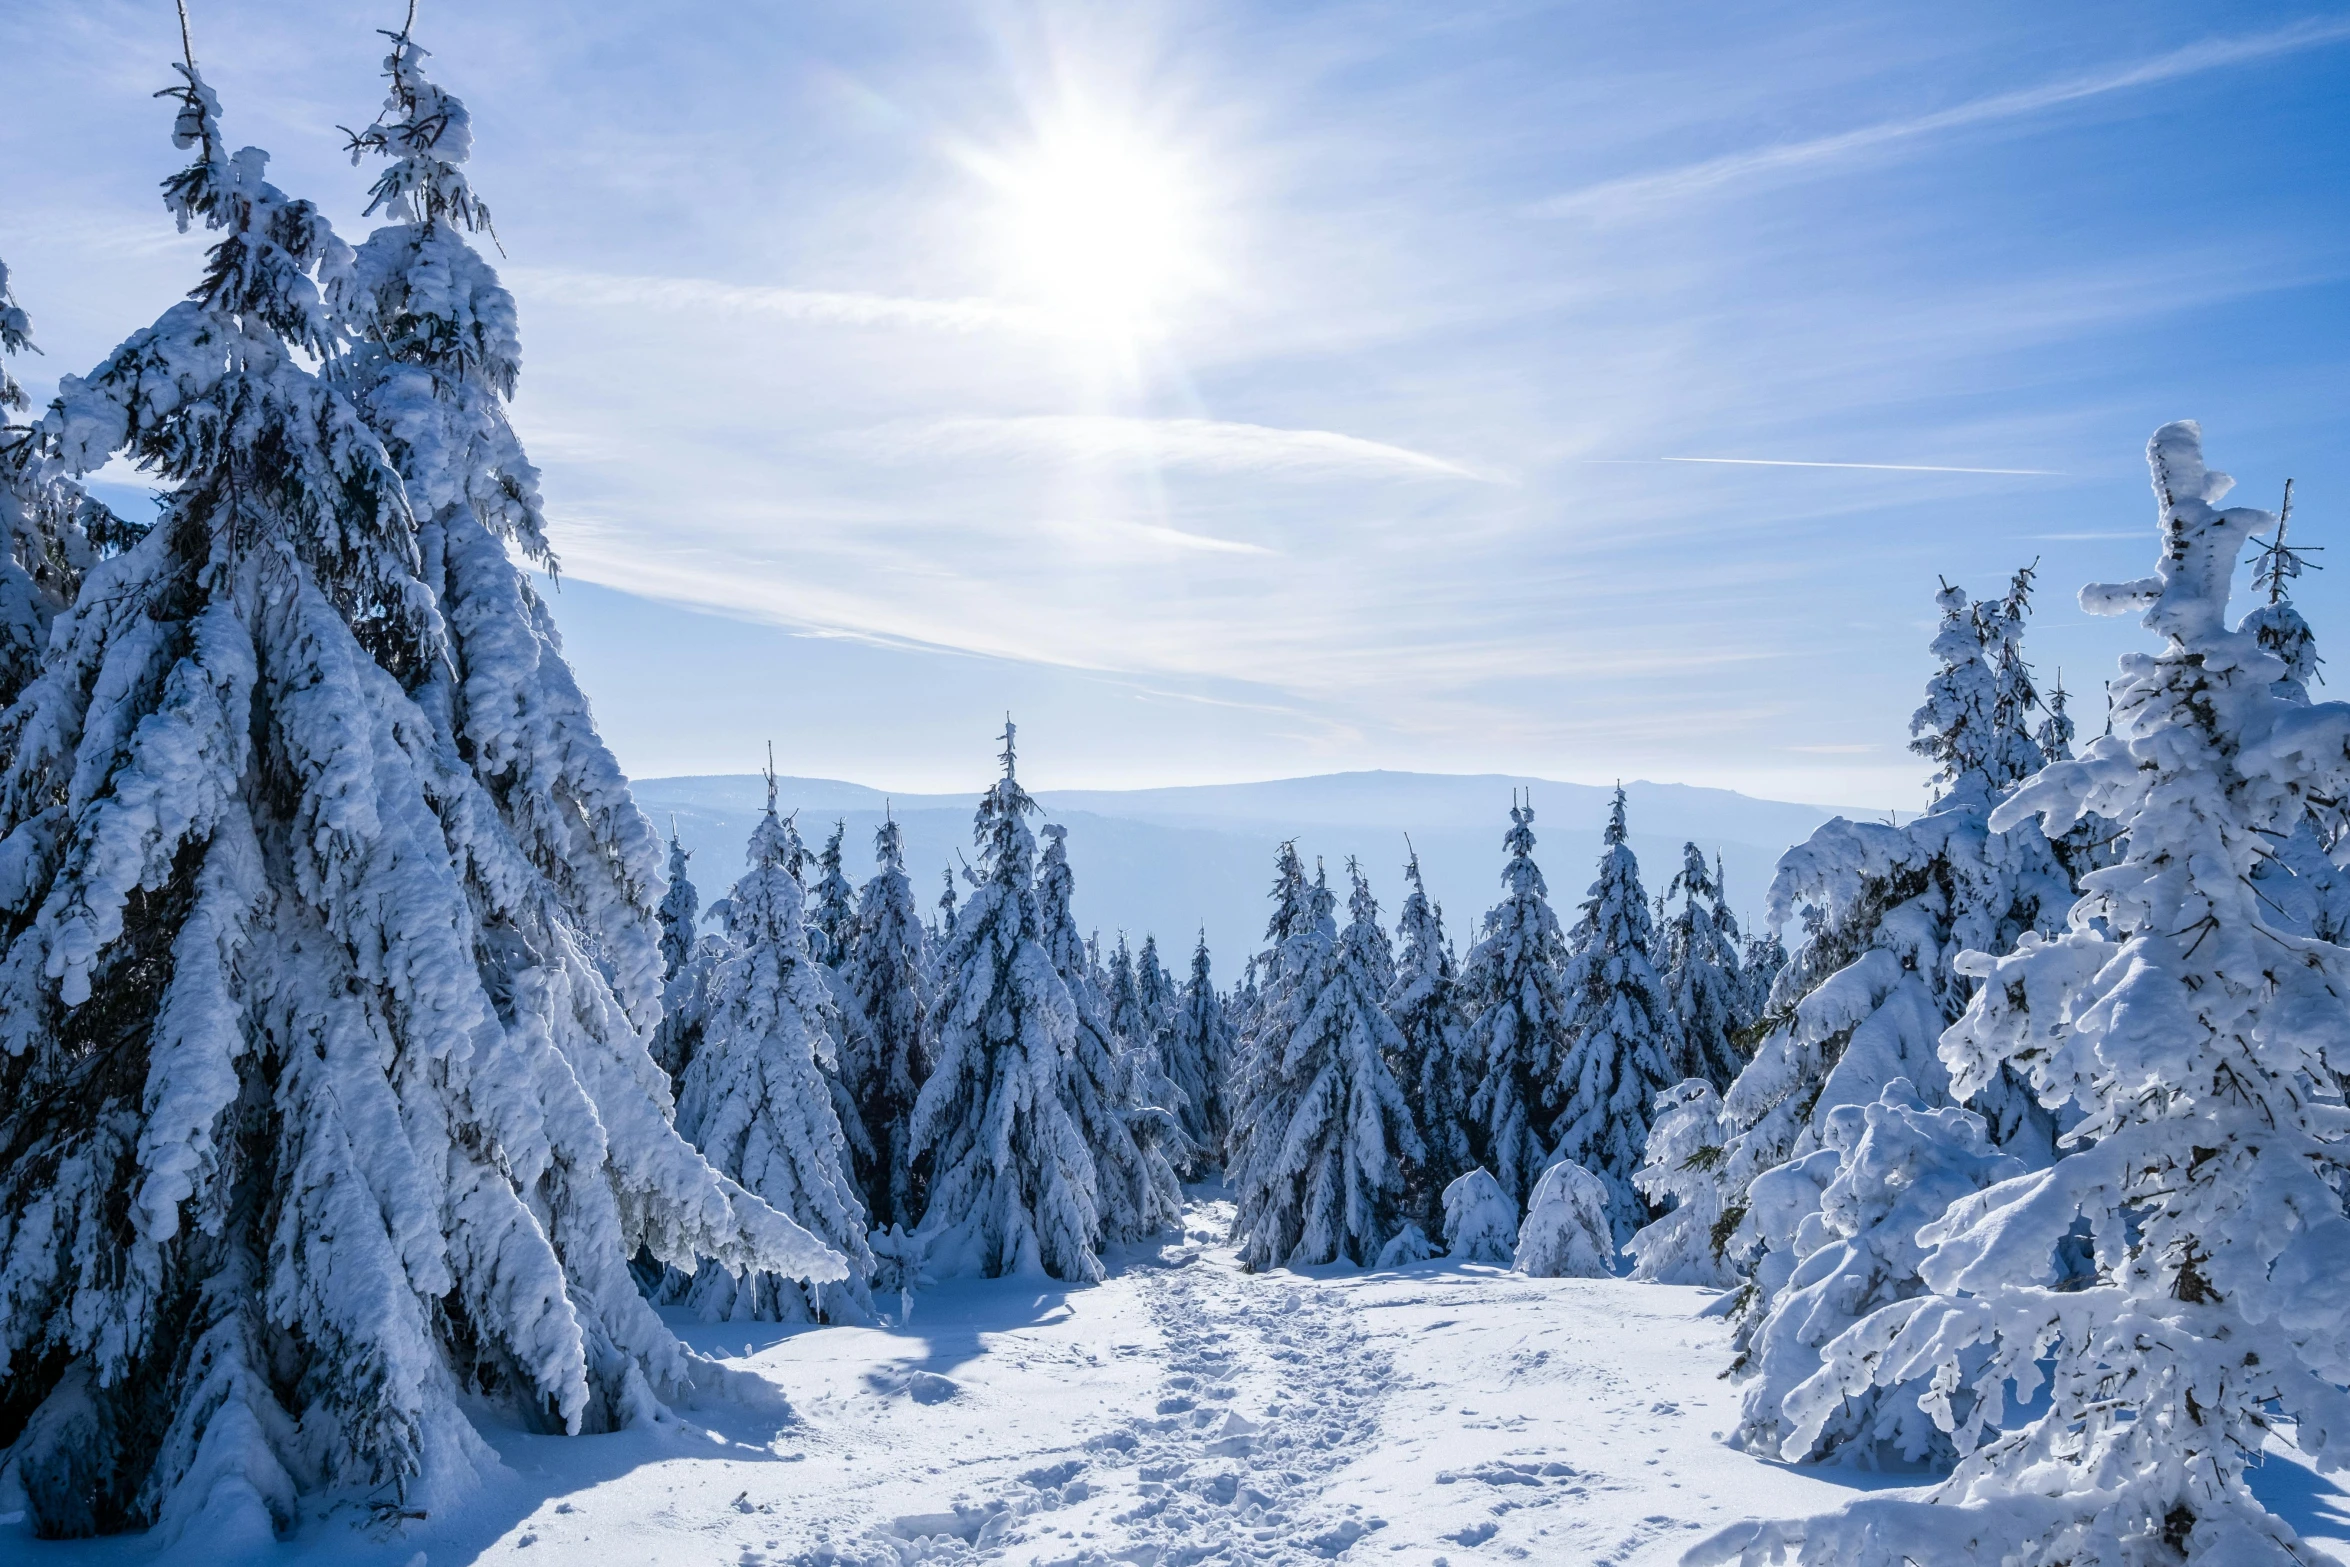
x=757, y=1103
x=832, y=904
x=1322, y=1175
x=1703, y=977
x=1011, y=1180
x=888, y=984
x=1520, y=1035
x=1199, y=1060
x=1435, y=1065
x=1626, y=1038
x=325, y=1001
x=1136, y=1142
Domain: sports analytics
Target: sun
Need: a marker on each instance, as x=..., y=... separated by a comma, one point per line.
x=1099, y=224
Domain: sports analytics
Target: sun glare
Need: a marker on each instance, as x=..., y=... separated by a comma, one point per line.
x=1101, y=226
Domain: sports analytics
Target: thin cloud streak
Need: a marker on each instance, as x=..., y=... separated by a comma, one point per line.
x=1693, y=179
x=1874, y=467
x=1208, y=445
x=816, y=306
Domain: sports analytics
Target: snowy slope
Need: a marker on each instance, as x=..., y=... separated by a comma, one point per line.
x=1167, y=860
x=1181, y=1411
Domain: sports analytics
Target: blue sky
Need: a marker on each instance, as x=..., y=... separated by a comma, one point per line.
x=1247, y=390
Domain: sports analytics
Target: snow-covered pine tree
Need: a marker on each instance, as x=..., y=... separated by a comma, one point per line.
x=51, y=530
x=2192, y=1036
x=1625, y=1038
x=1566, y=1233
x=887, y=981
x=1260, y=1005
x=2055, y=734
x=1122, y=999
x=2307, y=893
x=792, y=858
x=687, y=960
x=2278, y=626
x=1760, y=959
x=2016, y=751
x=832, y=904
x=758, y=1104
x=681, y=910
x=1240, y=1007
x=1866, y=995
x=1703, y=981
x=1154, y=990
x=1322, y=1178
x=1011, y=1181
x=1480, y=1221
x=1136, y=1141
x=1199, y=1060
x=1684, y=1244
x=1436, y=1066
x=324, y=1084
x=1518, y=1038
x=1848, y=1214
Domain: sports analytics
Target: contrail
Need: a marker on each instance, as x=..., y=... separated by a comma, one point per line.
x=1737, y=167
x=1881, y=467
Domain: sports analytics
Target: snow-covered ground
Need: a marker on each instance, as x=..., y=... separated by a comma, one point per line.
x=1182, y=1411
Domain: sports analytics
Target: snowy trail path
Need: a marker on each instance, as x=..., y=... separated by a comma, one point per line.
x=1180, y=1413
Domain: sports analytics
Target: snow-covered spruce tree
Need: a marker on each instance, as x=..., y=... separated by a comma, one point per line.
x=1436, y=1066
x=888, y=985
x=832, y=904
x=1514, y=980
x=944, y=930
x=1625, y=1038
x=1122, y=1000
x=1761, y=957
x=1261, y=1008
x=1116, y=1095
x=755, y=1100
x=437, y=361
x=1677, y=1175
x=1866, y=995
x=51, y=530
x=1703, y=981
x=1566, y=1234
x=1480, y=1220
x=681, y=910
x=1155, y=992
x=1199, y=1060
x=1853, y=1207
x=2277, y=625
x=2193, y=1037
x=687, y=961
x=2014, y=698
x=1322, y=1179
x=324, y=1089
x=1011, y=1181
x=2055, y=734
x=792, y=856
x=2307, y=893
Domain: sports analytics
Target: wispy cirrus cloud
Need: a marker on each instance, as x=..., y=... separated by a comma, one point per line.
x=1618, y=197
x=1199, y=445
x=821, y=307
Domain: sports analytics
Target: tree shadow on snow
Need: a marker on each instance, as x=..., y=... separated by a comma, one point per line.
x=2312, y=1503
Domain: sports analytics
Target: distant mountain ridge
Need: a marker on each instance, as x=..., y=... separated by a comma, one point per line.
x=1172, y=860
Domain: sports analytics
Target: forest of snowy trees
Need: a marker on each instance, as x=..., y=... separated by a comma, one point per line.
x=364, y=1062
